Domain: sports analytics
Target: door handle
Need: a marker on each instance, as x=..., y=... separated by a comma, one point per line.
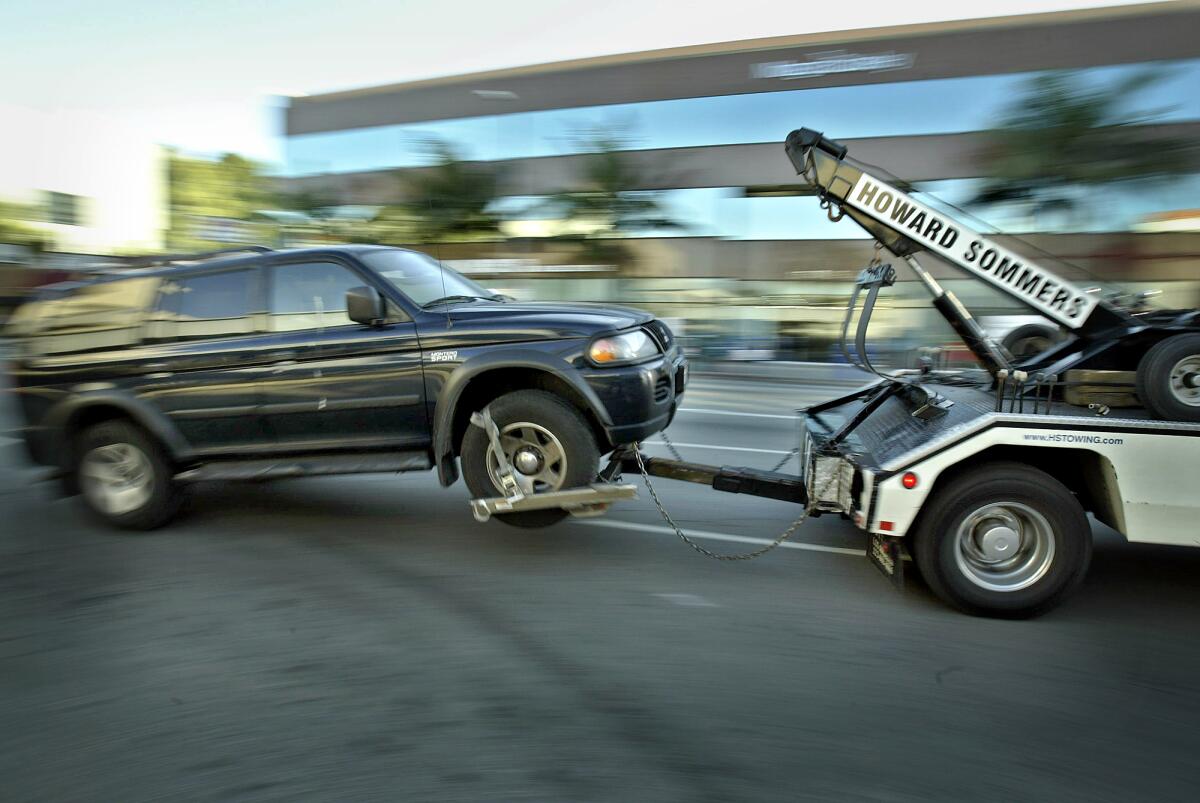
x=287, y=357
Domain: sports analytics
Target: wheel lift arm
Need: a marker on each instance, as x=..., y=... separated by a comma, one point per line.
x=737, y=480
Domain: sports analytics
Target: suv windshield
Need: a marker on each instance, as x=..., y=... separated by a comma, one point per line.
x=422, y=278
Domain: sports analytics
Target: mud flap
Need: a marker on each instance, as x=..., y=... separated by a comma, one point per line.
x=887, y=555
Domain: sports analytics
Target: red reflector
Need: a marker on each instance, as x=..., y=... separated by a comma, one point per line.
x=886, y=526
x=909, y=480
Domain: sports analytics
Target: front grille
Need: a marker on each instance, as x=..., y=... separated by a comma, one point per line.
x=661, y=332
x=662, y=389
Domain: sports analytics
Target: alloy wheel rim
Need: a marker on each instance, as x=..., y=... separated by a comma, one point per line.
x=116, y=478
x=536, y=455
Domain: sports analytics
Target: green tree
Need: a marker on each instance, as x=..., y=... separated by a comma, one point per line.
x=1064, y=137
x=14, y=226
x=449, y=200
x=210, y=198
x=606, y=203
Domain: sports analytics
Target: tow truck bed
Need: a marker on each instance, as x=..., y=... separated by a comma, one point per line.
x=1131, y=471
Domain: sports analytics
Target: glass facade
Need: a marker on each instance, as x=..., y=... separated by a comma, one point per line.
x=695, y=273
x=727, y=213
x=950, y=105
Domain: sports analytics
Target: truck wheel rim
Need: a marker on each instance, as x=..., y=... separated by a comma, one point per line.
x=537, y=456
x=1185, y=381
x=1004, y=546
x=117, y=478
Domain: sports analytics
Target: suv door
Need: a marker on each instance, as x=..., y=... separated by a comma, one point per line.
x=348, y=386
x=204, y=348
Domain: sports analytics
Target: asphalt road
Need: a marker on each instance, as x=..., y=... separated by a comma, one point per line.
x=359, y=639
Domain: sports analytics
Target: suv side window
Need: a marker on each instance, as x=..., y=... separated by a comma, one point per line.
x=206, y=306
x=310, y=295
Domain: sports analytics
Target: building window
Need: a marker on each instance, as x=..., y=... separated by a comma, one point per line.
x=901, y=108
x=63, y=208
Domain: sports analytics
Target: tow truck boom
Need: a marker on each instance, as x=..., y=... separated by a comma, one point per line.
x=1102, y=335
x=905, y=227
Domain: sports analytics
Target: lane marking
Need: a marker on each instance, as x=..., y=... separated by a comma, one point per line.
x=722, y=448
x=737, y=539
x=707, y=411
x=688, y=600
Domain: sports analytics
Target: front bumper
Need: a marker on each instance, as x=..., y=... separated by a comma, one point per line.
x=640, y=399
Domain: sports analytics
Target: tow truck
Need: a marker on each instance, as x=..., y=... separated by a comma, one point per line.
x=985, y=477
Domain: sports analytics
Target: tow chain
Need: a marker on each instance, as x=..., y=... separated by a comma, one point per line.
x=786, y=534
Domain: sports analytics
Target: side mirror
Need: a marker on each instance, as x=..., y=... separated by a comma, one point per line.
x=364, y=305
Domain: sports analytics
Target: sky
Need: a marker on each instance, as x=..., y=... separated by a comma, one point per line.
x=207, y=76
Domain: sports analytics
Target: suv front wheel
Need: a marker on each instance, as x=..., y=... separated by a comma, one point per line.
x=124, y=476
x=546, y=441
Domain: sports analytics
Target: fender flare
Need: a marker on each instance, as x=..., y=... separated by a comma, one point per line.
x=61, y=418
x=465, y=372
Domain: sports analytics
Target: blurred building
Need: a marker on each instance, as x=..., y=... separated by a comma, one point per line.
x=702, y=128
x=83, y=182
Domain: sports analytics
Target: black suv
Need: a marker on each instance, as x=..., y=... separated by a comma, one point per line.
x=335, y=360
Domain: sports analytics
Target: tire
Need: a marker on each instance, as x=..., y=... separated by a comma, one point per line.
x=124, y=476
x=1055, y=545
x=1163, y=374
x=1029, y=340
x=544, y=414
x=910, y=549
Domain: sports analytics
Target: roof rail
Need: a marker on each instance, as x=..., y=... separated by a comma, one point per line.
x=168, y=259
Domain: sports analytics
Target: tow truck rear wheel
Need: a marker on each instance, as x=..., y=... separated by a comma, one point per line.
x=1005, y=540
x=546, y=441
x=1168, y=378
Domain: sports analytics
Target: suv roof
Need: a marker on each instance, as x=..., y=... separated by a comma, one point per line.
x=177, y=263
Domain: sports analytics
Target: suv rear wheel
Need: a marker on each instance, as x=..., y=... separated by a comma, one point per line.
x=547, y=442
x=124, y=476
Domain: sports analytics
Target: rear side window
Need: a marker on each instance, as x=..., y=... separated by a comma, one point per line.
x=310, y=295
x=94, y=317
x=207, y=306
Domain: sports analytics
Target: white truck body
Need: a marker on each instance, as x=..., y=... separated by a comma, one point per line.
x=1138, y=474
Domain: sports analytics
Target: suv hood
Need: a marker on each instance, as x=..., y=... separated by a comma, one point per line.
x=551, y=320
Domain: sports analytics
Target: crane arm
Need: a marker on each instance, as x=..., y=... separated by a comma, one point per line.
x=906, y=226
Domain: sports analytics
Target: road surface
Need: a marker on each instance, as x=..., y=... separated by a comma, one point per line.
x=362, y=638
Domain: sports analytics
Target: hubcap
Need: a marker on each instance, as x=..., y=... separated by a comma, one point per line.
x=998, y=543
x=528, y=460
x=536, y=455
x=1004, y=546
x=1184, y=386
x=116, y=478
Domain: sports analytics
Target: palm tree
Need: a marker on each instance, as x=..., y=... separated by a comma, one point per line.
x=450, y=199
x=605, y=204
x=1064, y=138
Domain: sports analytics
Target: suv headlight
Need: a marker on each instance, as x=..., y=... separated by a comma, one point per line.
x=623, y=348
